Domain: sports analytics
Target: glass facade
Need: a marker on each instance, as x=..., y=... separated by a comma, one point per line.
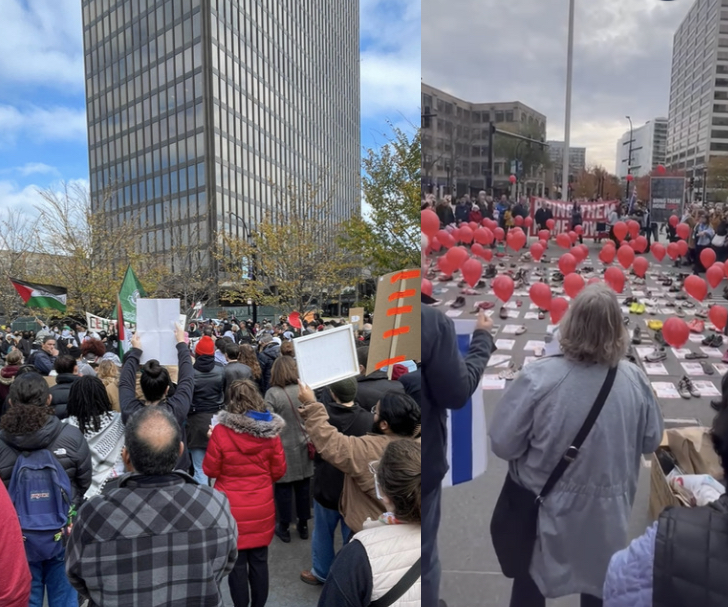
x=200, y=111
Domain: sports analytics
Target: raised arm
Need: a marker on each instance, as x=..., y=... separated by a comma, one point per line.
x=127, y=379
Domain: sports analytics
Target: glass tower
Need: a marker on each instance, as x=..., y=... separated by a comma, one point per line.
x=201, y=111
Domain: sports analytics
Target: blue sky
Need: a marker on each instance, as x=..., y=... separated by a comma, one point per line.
x=42, y=108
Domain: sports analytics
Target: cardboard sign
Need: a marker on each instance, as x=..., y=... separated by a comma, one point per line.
x=397, y=328
x=356, y=318
x=156, y=320
x=327, y=356
x=97, y=323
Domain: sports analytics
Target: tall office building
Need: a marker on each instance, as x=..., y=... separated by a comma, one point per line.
x=698, y=118
x=201, y=111
x=649, y=149
x=577, y=159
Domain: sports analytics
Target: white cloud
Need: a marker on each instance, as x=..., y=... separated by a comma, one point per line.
x=41, y=43
x=27, y=199
x=32, y=168
x=42, y=124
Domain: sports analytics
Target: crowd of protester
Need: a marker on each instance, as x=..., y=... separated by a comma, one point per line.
x=160, y=482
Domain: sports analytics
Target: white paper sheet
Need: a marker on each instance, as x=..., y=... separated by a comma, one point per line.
x=528, y=360
x=693, y=368
x=453, y=313
x=643, y=351
x=712, y=352
x=696, y=339
x=156, y=319
x=532, y=345
x=655, y=369
x=706, y=388
x=326, y=357
x=498, y=360
x=681, y=352
x=721, y=368
x=665, y=389
x=531, y=316
x=505, y=344
x=492, y=382
x=511, y=329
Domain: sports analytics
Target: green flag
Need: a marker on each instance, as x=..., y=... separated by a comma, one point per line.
x=131, y=290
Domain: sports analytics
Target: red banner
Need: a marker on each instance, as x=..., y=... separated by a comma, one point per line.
x=592, y=213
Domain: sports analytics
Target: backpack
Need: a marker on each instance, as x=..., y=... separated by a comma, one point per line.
x=41, y=493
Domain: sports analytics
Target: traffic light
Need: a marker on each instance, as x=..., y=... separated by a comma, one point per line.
x=691, y=182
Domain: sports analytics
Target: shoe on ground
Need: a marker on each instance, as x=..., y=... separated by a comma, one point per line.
x=708, y=340
x=657, y=355
x=637, y=336
x=283, y=534
x=655, y=325
x=717, y=341
x=659, y=338
x=682, y=389
x=707, y=368
x=503, y=314
x=458, y=303
x=694, y=392
x=310, y=579
x=302, y=528
x=520, y=330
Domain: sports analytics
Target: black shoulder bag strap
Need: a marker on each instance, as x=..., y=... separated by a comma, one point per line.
x=573, y=451
x=397, y=591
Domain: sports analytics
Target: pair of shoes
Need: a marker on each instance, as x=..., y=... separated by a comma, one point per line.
x=637, y=308
x=695, y=355
x=302, y=528
x=696, y=326
x=655, y=325
x=309, y=578
x=490, y=271
x=657, y=355
x=713, y=340
x=483, y=305
x=686, y=388
x=458, y=303
x=503, y=314
x=283, y=533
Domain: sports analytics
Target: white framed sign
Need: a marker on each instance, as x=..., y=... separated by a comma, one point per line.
x=327, y=356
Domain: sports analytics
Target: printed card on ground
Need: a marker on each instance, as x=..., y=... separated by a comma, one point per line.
x=665, y=389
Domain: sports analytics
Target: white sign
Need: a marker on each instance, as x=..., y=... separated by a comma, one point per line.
x=156, y=320
x=327, y=356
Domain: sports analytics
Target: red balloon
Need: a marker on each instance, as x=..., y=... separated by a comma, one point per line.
x=435, y=244
x=513, y=179
x=516, y=240
x=540, y=295
x=696, y=287
x=607, y=254
x=499, y=234
x=544, y=244
x=466, y=235
x=625, y=255
x=614, y=278
x=536, y=251
x=550, y=223
x=673, y=251
x=583, y=252
x=559, y=306
x=491, y=224
x=457, y=256
x=563, y=241
x=446, y=266
x=426, y=287
x=673, y=221
x=682, y=247
x=477, y=249
x=573, y=236
x=518, y=220
x=481, y=236
x=593, y=280
x=683, y=230
x=640, y=244
x=640, y=266
x=544, y=234
x=430, y=222
x=445, y=239
x=718, y=316
x=632, y=244
x=473, y=225
x=630, y=177
x=661, y=169
x=579, y=229
x=578, y=253
x=634, y=228
x=487, y=254
x=503, y=287
x=707, y=257
x=658, y=251
x=620, y=230
x=714, y=274
x=528, y=222
x=675, y=332
x=567, y=264
x=573, y=284
x=472, y=271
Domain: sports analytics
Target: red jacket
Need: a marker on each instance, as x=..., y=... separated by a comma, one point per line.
x=246, y=457
x=15, y=587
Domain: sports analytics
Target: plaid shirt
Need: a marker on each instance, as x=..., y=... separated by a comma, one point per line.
x=153, y=541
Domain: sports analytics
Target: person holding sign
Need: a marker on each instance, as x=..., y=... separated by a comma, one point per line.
x=155, y=383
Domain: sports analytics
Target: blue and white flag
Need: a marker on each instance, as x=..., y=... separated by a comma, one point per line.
x=467, y=438
x=632, y=200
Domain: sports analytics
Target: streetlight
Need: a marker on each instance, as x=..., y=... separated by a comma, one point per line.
x=567, y=122
x=629, y=156
x=251, y=276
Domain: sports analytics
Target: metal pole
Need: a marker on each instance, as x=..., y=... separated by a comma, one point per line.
x=629, y=155
x=567, y=123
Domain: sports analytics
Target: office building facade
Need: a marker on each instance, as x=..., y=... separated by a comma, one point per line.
x=648, y=146
x=577, y=160
x=201, y=112
x=698, y=116
x=455, y=143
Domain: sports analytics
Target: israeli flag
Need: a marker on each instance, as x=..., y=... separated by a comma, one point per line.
x=467, y=438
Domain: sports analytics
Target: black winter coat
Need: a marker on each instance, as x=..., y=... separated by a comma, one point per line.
x=208, y=398
x=64, y=441
x=371, y=388
x=266, y=358
x=60, y=393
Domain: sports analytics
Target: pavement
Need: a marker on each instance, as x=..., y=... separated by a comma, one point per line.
x=471, y=575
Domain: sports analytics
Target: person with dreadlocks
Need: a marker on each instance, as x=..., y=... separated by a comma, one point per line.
x=90, y=410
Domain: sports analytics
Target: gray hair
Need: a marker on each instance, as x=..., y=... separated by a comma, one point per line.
x=593, y=329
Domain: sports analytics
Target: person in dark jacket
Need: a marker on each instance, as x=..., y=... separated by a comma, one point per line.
x=372, y=387
x=235, y=369
x=67, y=369
x=208, y=398
x=44, y=358
x=155, y=383
x=444, y=212
x=29, y=425
x=328, y=482
x=449, y=381
x=7, y=375
x=412, y=383
x=680, y=560
x=269, y=351
x=25, y=346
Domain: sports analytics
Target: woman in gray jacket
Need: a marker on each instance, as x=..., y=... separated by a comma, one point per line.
x=282, y=399
x=584, y=520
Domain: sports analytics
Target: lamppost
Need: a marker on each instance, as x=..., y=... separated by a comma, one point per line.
x=629, y=156
x=251, y=275
x=567, y=122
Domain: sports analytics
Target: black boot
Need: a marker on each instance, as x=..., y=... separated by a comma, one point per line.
x=302, y=529
x=283, y=533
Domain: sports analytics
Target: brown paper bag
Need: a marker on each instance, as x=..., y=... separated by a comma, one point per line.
x=694, y=452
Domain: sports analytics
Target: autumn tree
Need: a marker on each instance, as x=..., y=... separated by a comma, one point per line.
x=533, y=157
x=291, y=259
x=597, y=182
x=17, y=258
x=386, y=237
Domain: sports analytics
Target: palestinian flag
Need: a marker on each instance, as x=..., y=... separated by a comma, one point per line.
x=122, y=332
x=41, y=296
